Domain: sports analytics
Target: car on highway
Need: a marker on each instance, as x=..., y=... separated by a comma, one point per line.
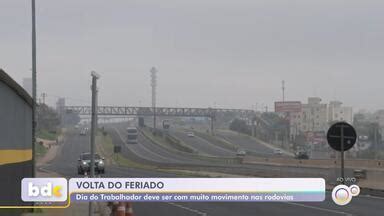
x=166, y=124
x=277, y=152
x=84, y=164
x=83, y=132
x=190, y=134
x=241, y=153
x=302, y=155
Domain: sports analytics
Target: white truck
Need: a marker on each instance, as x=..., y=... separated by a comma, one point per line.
x=132, y=134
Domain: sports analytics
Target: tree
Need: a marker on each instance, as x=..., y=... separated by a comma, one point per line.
x=240, y=126
x=47, y=118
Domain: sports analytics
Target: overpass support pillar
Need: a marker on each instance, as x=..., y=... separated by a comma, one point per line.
x=253, y=129
x=253, y=123
x=212, y=125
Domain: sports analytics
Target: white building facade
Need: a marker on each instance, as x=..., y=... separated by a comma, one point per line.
x=316, y=116
x=337, y=112
x=312, y=118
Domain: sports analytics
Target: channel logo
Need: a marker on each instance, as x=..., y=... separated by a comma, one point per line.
x=44, y=189
x=342, y=194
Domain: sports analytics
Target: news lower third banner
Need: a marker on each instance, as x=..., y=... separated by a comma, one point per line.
x=175, y=189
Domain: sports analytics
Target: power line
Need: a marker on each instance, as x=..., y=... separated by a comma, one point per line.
x=43, y=95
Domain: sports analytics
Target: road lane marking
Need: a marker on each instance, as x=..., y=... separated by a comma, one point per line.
x=43, y=169
x=122, y=140
x=170, y=159
x=254, y=140
x=189, y=209
x=372, y=197
x=144, y=148
x=318, y=208
x=214, y=150
x=227, y=152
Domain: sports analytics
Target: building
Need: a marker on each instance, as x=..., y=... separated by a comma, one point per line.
x=337, y=112
x=311, y=118
x=27, y=85
x=379, y=118
x=15, y=140
x=60, y=104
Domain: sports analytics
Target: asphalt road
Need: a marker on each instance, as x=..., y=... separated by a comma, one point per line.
x=246, y=143
x=202, y=145
x=66, y=160
x=146, y=149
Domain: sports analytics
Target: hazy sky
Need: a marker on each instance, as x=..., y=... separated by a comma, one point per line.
x=230, y=53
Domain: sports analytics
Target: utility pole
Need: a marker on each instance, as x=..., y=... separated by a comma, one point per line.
x=95, y=76
x=375, y=127
x=253, y=127
x=213, y=118
x=283, y=88
x=154, y=84
x=43, y=95
x=342, y=154
x=34, y=115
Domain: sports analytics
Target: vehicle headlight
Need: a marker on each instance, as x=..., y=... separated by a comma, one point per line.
x=84, y=163
x=101, y=162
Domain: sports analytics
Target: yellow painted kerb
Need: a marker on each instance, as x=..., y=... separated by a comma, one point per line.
x=15, y=156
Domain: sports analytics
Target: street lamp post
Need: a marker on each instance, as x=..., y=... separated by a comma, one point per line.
x=153, y=85
x=95, y=76
x=34, y=122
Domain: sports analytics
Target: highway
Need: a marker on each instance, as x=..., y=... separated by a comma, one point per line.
x=202, y=145
x=146, y=149
x=65, y=165
x=246, y=143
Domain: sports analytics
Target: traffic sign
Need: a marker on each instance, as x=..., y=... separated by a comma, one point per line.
x=341, y=136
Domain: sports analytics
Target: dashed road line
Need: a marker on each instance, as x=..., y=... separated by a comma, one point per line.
x=198, y=212
x=372, y=197
x=143, y=147
x=318, y=208
x=228, y=152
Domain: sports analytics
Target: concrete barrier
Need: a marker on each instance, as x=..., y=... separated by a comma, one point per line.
x=327, y=169
x=317, y=163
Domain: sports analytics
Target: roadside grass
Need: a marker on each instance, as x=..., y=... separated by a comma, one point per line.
x=270, y=145
x=106, y=144
x=47, y=135
x=218, y=141
x=169, y=142
x=195, y=155
x=105, y=147
x=40, y=150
